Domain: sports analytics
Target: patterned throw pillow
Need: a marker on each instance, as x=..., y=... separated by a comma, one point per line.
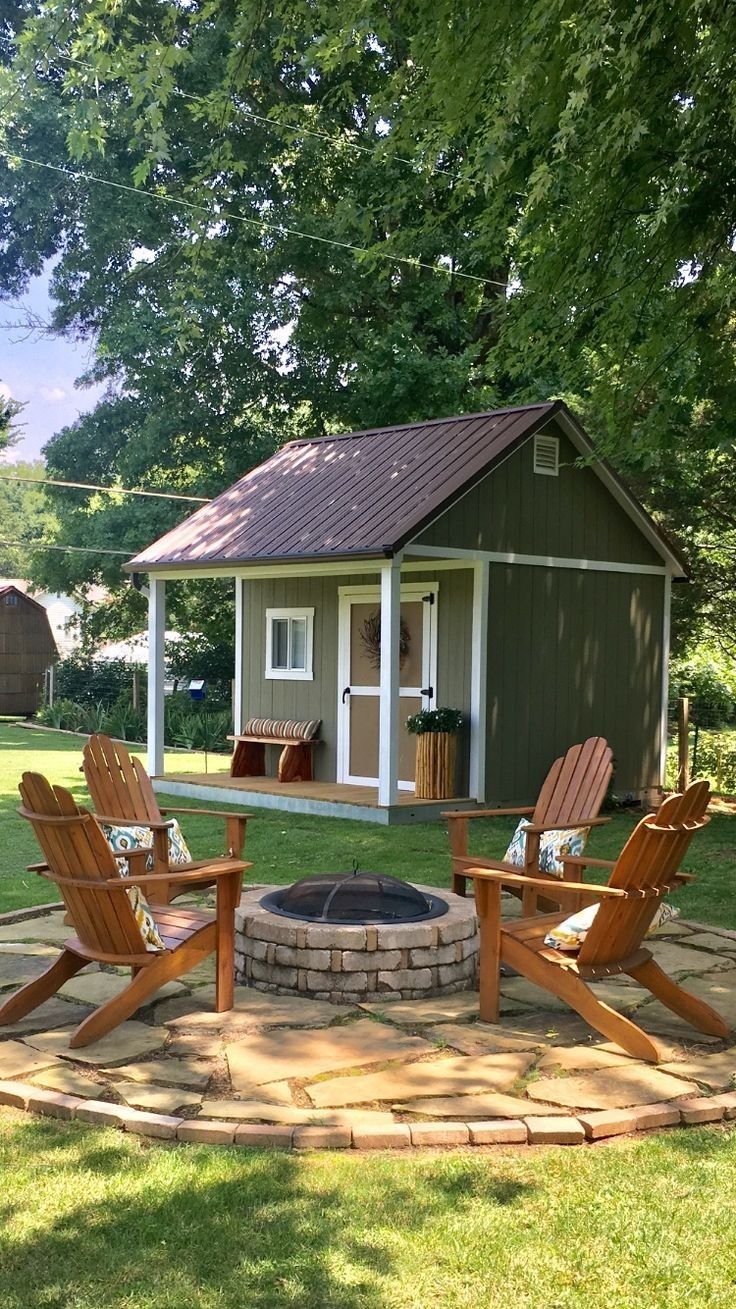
x=179, y=852
x=144, y=918
x=121, y=839
x=570, y=934
x=132, y=837
x=553, y=847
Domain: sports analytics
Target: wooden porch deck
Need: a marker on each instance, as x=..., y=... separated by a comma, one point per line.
x=331, y=799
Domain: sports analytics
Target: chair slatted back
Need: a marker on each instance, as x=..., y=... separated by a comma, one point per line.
x=649, y=861
x=576, y=784
x=77, y=848
x=118, y=783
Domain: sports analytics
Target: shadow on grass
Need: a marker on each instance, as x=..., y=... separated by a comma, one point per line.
x=162, y=1226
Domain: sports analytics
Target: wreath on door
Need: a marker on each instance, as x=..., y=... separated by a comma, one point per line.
x=370, y=639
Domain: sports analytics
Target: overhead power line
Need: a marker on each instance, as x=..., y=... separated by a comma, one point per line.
x=75, y=549
x=109, y=490
x=218, y=215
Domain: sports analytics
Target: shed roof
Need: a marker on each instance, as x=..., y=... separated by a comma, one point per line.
x=16, y=588
x=359, y=494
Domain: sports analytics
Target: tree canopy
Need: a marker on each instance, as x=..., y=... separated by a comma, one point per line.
x=310, y=216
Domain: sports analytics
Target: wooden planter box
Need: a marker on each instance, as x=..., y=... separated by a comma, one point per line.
x=435, y=770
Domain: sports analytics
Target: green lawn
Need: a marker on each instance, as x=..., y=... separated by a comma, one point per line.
x=94, y=1219
x=283, y=846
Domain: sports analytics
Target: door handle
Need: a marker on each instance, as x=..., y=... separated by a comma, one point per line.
x=427, y=690
x=345, y=692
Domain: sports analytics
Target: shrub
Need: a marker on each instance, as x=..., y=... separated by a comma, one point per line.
x=92, y=681
x=434, y=720
x=186, y=722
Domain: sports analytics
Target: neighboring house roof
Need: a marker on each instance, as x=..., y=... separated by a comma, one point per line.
x=359, y=494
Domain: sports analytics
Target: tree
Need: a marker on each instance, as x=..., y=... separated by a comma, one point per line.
x=24, y=517
x=541, y=201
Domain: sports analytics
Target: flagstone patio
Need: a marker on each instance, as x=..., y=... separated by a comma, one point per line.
x=378, y=1070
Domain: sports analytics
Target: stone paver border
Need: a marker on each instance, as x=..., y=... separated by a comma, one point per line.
x=553, y=1129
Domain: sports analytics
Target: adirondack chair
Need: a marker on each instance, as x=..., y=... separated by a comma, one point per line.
x=644, y=872
x=571, y=796
x=122, y=794
x=82, y=865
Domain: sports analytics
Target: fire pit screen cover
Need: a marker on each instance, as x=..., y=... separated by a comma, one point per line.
x=355, y=897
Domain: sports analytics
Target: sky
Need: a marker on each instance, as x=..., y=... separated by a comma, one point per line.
x=40, y=372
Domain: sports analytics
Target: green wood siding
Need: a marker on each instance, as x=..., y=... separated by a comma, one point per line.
x=572, y=516
x=318, y=698
x=572, y=654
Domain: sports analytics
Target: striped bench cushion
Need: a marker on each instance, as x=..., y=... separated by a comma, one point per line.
x=288, y=728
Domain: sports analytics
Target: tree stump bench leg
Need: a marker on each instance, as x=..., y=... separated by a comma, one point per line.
x=249, y=759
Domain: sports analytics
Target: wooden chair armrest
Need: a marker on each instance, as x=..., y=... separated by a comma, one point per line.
x=521, y=879
x=479, y=861
x=155, y=824
x=206, y=813
x=585, y=861
x=136, y=859
x=226, y=868
x=450, y=814
x=538, y=828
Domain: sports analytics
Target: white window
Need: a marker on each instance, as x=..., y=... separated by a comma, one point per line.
x=546, y=454
x=289, y=644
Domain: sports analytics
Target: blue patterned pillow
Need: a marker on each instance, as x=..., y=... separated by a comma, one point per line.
x=120, y=840
x=133, y=837
x=553, y=846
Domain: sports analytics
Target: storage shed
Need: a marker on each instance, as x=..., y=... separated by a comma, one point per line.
x=476, y=562
x=27, y=649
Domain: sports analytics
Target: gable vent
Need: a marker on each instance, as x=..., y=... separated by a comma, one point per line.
x=547, y=454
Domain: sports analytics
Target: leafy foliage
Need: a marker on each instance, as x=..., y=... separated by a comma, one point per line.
x=25, y=515
x=92, y=681
x=577, y=160
x=434, y=720
x=709, y=680
x=186, y=724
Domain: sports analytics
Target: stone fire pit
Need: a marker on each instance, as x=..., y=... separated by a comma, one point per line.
x=338, y=962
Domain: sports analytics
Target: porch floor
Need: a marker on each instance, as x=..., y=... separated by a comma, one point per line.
x=332, y=799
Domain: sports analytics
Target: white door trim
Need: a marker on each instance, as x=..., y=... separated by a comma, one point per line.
x=346, y=596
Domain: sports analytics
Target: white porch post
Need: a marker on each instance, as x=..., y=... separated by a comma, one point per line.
x=478, y=680
x=156, y=629
x=666, y=625
x=388, y=742
x=239, y=689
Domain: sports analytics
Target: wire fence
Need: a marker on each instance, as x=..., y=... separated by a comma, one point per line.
x=698, y=748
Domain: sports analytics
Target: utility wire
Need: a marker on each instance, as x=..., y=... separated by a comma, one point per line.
x=76, y=549
x=110, y=490
x=277, y=125
x=218, y=215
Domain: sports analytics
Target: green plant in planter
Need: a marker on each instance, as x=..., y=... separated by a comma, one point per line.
x=434, y=720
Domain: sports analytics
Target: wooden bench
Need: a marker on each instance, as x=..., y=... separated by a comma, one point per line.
x=296, y=740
